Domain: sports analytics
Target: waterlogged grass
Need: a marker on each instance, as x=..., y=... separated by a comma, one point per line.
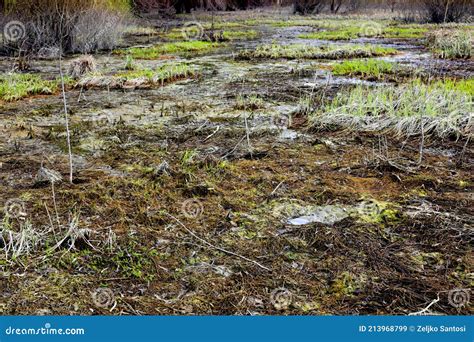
x=156, y=51
x=140, y=77
x=404, y=32
x=275, y=51
x=376, y=30
x=177, y=34
x=442, y=108
x=17, y=86
x=463, y=86
x=364, y=68
x=331, y=35
x=165, y=73
x=451, y=44
x=222, y=25
x=281, y=23
x=250, y=102
x=240, y=35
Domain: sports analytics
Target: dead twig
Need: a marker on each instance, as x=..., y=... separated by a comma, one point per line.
x=425, y=311
x=212, y=134
x=216, y=247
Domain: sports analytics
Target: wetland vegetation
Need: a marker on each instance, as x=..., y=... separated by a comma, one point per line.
x=201, y=162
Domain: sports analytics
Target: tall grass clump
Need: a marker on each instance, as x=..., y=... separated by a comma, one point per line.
x=451, y=45
x=70, y=25
x=441, y=108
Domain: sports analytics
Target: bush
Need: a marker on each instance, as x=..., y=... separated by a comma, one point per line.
x=72, y=25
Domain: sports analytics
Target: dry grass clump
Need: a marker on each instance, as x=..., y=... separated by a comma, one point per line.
x=411, y=109
x=450, y=44
x=81, y=66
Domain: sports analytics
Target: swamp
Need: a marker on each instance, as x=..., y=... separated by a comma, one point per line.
x=239, y=162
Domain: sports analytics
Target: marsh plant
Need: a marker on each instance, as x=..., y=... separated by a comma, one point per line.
x=371, y=29
x=366, y=68
x=250, y=102
x=410, y=109
x=295, y=51
x=157, y=51
x=16, y=86
x=137, y=77
x=450, y=45
x=18, y=241
x=130, y=63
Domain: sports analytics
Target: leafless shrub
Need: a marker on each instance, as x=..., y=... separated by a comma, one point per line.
x=73, y=25
x=439, y=11
x=88, y=35
x=308, y=6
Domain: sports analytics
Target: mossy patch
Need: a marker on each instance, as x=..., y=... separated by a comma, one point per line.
x=347, y=284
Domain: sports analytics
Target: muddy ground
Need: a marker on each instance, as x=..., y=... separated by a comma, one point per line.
x=185, y=201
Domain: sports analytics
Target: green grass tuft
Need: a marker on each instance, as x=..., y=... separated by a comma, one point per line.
x=17, y=86
x=365, y=68
x=156, y=51
x=164, y=73
x=354, y=32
